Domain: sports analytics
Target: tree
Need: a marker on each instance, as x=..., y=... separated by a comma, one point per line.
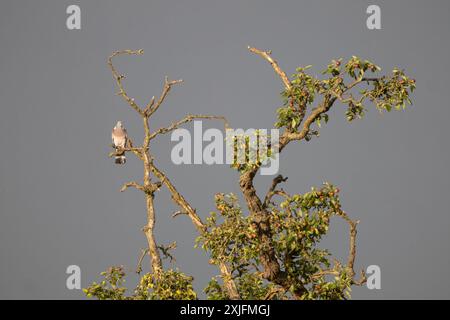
x=272, y=250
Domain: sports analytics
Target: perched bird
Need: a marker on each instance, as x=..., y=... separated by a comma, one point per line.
x=119, y=140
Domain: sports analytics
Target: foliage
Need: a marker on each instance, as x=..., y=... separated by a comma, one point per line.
x=250, y=287
x=385, y=92
x=299, y=222
x=111, y=287
x=167, y=285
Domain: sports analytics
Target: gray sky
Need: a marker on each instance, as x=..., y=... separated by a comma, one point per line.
x=59, y=193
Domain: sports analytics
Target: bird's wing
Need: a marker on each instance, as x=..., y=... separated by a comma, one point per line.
x=119, y=137
x=125, y=137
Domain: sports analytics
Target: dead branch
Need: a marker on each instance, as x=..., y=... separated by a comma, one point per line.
x=178, y=213
x=201, y=227
x=139, y=264
x=352, y=248
x=132, y=184
x=149, y=187
x=151, y=108
x=275, y=182
x=266, y=55
x=118, y=78
x=149, y=105
x=187, y=119
x=350, y=257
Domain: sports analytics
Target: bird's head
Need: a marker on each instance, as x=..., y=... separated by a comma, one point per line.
x=119, y=125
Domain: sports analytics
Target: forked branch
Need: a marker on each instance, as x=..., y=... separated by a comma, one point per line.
x=149, y=187
x=119, y=77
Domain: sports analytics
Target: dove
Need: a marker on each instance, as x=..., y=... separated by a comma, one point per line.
x=119, y=140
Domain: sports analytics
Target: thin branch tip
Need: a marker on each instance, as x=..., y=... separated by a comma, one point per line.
x=266, y=55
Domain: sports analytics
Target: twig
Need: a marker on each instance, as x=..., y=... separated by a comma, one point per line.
x=151, y=109
x=274, y=64
x=275, y=182
x=139, y=264
x=132, y=184
x=118, y=77
x=186, y=119
x=149, y=105
x=121, y=151
x=178, y=213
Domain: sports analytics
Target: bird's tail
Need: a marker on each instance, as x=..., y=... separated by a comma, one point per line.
x=120, y=159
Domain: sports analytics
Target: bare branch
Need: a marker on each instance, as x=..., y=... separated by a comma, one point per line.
x=362, y=279
x=132, y=184
x=139, y=264
x=352, y=242
x=121, y=151
x=188, y=118
x=166, y=89
x=149, y=105
x=266, y=55
x=351, y=254
x=142, y=154
x=179, y=199
x=275, y=182
x=178, y=213
x=336, y=270
x=118, y=78
x=148, y=186
x=201, y=227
